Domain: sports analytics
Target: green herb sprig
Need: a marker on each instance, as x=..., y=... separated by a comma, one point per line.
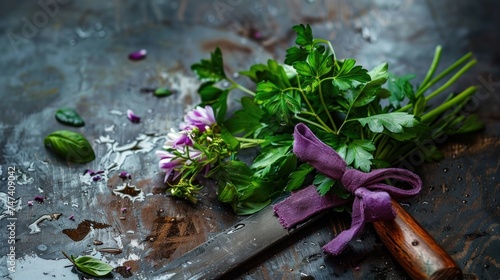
x=372, y=118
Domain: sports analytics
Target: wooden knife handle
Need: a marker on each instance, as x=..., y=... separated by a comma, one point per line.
x=415, y=249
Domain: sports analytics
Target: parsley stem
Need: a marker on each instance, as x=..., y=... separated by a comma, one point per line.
x=312, y=113
x=316, y=41
x=448, y=104
x=250, y=140
x=432, y=69
x=240, y=87
x=325, y=107
x=440, y=76
x=452, y=80
x=322, y=125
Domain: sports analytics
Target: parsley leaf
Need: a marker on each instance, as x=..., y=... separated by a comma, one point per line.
x=304, y=35
x=298, y=177
x=210, y=70
x=394, y=122
x=349, y=73
x=359, y=153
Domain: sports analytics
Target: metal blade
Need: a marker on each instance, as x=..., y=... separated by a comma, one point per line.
x=231, y=248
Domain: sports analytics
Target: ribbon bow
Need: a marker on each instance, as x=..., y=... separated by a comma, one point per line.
x=372, y=198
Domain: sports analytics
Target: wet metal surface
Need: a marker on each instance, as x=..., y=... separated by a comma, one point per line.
x=74, y=54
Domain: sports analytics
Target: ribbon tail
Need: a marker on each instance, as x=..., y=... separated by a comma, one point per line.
x=303, y=204
x=338, y=244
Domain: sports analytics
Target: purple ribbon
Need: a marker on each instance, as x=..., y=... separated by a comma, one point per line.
x=372, y=198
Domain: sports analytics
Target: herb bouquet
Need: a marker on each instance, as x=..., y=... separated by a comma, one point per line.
x=341, y=102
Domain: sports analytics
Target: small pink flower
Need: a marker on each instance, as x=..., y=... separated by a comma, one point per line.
x=138, y=55
x=123, y=210
x=30, y=202
x=128, y=268
x=133, y=117
x=200, y=118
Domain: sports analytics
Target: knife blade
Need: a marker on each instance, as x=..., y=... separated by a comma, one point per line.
x=230, y=248
x=415, y=249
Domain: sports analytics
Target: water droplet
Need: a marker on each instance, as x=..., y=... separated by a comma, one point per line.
x=414, y=243
x=459, y=179
x=102, y=34
x=445, y=170
x=464, y=201
x=322, y=267
x=431, y=188
x=236, y=75
x=467, y=195
x=42, y=247
x=73, y=42
x=210, y=18
x=486, y=266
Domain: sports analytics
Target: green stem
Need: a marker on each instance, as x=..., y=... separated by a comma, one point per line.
x=250, y=140
x=322, y=123
x=445, y=106
x=326, y=108
x=316, y=41
x=452, y=80
x=432, y=69
x=240, y=87
x=323, y=126
x=440, y=76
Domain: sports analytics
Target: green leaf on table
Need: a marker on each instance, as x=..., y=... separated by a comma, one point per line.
x=70, y=117
x=349, y=74
x=210, y=69
x=359, y=153
x=92, y=266
x=394, y=122
x=297, y=177
x=162, y=92
x=70, y=145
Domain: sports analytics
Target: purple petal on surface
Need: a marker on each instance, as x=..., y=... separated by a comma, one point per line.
x=133, y=117
x=138, y=55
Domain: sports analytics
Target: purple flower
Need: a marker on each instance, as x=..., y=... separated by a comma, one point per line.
x=123, y=210
x=138, y=55
x=169, y=161
x=71, y=217
x=125, y=175
x=96, y=178
x=133, y=117
x=177, y=140
x=39, y=199
x=200, y=118
x=30, y=202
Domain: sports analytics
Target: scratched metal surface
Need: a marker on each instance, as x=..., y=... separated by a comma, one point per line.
x=75, y=55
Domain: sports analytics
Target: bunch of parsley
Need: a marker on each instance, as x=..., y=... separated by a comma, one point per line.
x=341, y=102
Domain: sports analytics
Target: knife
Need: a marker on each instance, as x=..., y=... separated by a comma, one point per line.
x=414, y=249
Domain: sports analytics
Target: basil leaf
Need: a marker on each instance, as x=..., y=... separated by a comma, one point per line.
x=70, y=117
x=70, y=145
x=92, y=266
